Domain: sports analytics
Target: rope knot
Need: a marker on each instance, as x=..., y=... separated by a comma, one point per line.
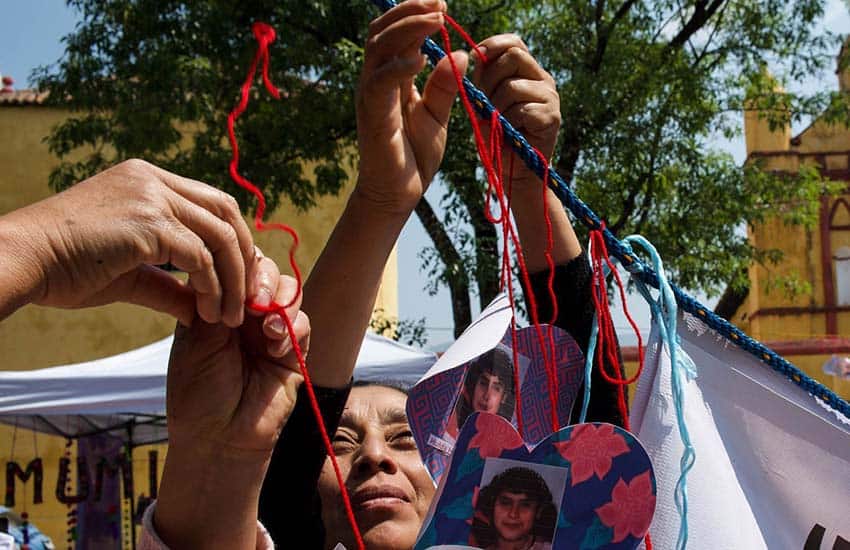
x=264, y=33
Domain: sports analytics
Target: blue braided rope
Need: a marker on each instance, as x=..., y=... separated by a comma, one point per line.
x=624, y=253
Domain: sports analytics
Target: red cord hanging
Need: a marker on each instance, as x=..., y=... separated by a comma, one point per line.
x=265, y=35
x=607, y=339
x=494, y=183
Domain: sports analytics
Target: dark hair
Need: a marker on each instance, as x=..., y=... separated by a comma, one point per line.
x=517, y=480
x=496, y=362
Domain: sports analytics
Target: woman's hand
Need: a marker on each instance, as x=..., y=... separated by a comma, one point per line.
x=402, y=133
x=523, y=92
x=230, y=391
x=526, y=95
x=98, y=241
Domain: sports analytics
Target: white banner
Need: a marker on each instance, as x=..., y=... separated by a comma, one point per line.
x=772, y=463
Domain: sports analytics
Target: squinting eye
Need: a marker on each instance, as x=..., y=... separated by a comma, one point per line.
x=404, y=437
x=342, y=443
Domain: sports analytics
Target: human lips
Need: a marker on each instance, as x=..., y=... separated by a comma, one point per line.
x=379, y=496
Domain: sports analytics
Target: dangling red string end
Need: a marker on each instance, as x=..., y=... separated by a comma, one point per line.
x=265, y=35
x=495, y=187
x=607, y=339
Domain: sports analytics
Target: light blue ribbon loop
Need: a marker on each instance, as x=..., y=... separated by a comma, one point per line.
x=683, y=369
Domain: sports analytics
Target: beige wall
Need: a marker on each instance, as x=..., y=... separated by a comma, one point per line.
x=37, y=337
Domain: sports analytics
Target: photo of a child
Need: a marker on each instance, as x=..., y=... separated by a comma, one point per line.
x=487, y=387
x=517, y=506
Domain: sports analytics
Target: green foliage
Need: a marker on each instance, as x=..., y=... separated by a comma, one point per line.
x=406, y=331
x=645, y=85
x=156, y=79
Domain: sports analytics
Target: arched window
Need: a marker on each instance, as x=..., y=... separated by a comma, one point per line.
x=841, y=267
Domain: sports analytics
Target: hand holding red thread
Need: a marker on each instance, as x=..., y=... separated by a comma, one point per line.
x=265, y=35
x=491, y=158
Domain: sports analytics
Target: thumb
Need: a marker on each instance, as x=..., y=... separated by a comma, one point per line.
x=158, y=290
x=441, y=87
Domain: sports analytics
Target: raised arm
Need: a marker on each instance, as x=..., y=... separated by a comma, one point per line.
x=230, y=391
x=401, y=136
x=527, y=96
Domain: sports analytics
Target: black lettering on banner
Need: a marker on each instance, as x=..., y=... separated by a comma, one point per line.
x=34, y=469
x=62, y=481
x=815, y=540
x=106, y=467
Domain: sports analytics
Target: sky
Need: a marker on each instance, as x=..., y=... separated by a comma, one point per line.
x=31, y=35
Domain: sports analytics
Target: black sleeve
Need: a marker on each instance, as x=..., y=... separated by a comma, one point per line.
x=289, y=502
x=572, y=286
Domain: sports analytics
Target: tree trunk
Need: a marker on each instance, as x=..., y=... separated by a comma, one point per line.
x=730, y=301
x=454, y=270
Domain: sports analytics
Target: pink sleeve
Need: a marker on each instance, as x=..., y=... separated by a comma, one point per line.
x=151, y=541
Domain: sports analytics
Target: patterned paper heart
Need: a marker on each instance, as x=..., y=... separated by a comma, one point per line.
x=438, y=405
x=586, y=486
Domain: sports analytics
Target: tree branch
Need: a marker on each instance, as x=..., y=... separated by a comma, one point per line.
x=622, y=11
x=455, y=274
x=730, y=301
x=603, y=32
x=703, y=11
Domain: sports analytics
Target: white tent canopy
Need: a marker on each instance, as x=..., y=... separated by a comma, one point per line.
x=125, y=394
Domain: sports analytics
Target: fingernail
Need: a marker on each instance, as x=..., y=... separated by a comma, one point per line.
x=264, y=297
x=276, y=324
x=482, y=49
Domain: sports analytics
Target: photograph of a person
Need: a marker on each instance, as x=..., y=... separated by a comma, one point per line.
x=487, y=387
x=518, y=506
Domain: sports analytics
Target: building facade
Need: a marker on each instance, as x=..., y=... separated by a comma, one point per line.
x=810, y=327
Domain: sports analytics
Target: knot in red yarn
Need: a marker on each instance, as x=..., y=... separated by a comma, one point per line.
x=263, y=32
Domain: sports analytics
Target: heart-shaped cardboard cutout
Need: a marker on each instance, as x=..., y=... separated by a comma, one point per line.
x=585, y=486
x=449, y=392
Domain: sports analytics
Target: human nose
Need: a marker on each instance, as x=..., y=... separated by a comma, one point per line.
x=373, y=457
x=514, y=511
x=489, y=392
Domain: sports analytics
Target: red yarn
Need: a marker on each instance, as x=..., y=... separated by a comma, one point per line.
x=460, y=30
x=600, y=255
x=607, y=342
x=607, y=339
x=495, y=186
x=265, y=35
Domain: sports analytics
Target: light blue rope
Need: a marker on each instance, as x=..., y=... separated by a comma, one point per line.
x=588, y=367
x=623, y=252
x=591, y=350
x=665, y=314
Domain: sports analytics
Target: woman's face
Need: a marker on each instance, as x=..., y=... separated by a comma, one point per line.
x=389, y=487
x=488, y=394
x=514, y=515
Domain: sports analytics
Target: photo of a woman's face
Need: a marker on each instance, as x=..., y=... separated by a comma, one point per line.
x=514, y=515
x=488, y=394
